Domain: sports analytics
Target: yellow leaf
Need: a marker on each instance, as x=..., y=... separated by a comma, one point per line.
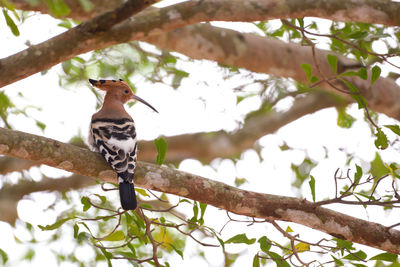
x=289, y=230
x=142, y=192
x=301, y=247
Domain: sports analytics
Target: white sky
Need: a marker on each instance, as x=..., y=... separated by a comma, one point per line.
x=67, y=112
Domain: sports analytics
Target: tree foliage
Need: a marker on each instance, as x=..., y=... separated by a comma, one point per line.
x=346, y=63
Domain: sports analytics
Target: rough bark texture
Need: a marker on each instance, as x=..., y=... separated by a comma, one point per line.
x=154, y=21
x=201, y=41
x=253, y=204
x=207, y=146
x=368, y=11
x=272, y=56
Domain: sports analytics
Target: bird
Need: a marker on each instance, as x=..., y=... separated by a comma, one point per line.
x=113, y=134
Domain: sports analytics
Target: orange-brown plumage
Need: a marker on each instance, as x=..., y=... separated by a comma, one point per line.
x=113, y=134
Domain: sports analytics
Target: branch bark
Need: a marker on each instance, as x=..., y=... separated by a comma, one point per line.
x=253, y=204
x=206, y=146
x=267, y=55
x=367, y=11
x=154, y=21
x=201, y=41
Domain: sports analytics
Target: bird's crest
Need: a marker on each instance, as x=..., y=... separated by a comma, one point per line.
x=107, y=85
x=118, y=89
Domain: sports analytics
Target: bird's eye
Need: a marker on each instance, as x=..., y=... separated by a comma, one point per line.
x=126, y=91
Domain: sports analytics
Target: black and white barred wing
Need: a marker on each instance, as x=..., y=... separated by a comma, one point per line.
x=116, y=141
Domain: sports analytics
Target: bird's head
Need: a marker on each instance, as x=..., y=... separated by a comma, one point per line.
x=119, y=90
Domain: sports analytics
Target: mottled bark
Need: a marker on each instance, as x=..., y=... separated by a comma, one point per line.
x=154, y=21
x=272, y=56
x=253, y=204
x=207, y=146
x=202, y=41
x=77, y=11
x=368, y=11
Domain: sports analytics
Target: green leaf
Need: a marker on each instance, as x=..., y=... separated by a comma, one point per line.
x=240, y=238
x=3, y=256
x=86, y=203
x=357, y=175
x=343, y=243
x=312, y=187
x=337, y=262
x=308, y=70
x=385, y=257
x=195, y=211
x=378, y=168
x=356, y=256
x=116, y=236
x=256, y=261
x=203, y=208
x=76, y=230
x=108, y=256
x=394, y=128
x=289, y=230
x=240, y=181
x=301, y=22
x=58, y=7
x=357, y=35
x=176, y=250
x=280, y=262
x=29, y=254
x=356, y=94
x=177, y=79
x=142, y=192
x=264, y=245
x=332, y=60
x=376, y=72
x=344, y=119
x=65, y=24
x=103, y=199
x=55, y=225
x=10, y=23
x=41, y=125
x=381, y=141
x=362, y=73
x=161, y=146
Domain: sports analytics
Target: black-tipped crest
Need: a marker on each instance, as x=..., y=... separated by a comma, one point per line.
x=113, y=86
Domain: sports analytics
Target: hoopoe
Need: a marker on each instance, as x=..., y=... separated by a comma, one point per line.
x=113, y=134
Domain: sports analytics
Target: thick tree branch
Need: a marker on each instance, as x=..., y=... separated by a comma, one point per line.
x=77, y=11
x=85, y=162
x=202, y=41
x=275, y=57
x=368, y=11
x=63, y=46
x=154, y=21
x=207, y=146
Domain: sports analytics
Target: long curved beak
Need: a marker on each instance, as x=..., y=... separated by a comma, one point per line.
x=135, y=97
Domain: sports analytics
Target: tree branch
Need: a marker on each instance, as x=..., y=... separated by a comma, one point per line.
x=154, y=21
x=203, y=41
x=367, y=11
x=64, y=46
x=267, y=55
x=253, y=204
x=206, y=146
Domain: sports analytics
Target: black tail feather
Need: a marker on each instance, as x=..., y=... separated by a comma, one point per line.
x=127, y=195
